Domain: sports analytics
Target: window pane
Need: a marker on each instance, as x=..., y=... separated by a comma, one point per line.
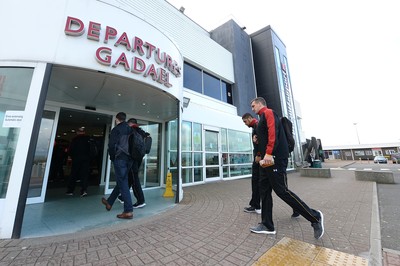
x=212, y=86
x=211, y=158
x=197, y=143
x=186, y=159
x=226, y=92
x=224, y=140
x=186, y=175
x=239, y=141
x=240, y=158
x=240, y=170
x=14, y=88
x=212, y=172
x=172, y=133
x=198, y=159
x=211, y=141
x=198, y=174
x=192, y=78
x=186, y=136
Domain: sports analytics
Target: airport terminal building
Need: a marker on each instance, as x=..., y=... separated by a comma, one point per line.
x=69, y=64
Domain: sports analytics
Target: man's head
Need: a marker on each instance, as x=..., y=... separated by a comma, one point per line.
x=120, y=117
x=247, y=118
x=257, y=104
x=132, y=121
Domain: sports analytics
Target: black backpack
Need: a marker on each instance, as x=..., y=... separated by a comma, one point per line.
x=147, y=143
x=137, y=148
x=288, y=129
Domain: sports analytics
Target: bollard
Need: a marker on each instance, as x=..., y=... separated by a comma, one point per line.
x=168, y=187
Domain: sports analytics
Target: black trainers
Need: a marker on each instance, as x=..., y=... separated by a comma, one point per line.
x=138, y=205
x=120, y=199
x=262, y=229
x=319, y=227
x=69, y=193
x=249, y=209
x=83, y=194
x=295, y=214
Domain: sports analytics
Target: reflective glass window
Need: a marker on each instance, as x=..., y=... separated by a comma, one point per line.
x=192, y=78
x=212, y=86
x=239, y=141
x=14, y=88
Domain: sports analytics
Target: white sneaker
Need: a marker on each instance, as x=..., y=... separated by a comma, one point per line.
x=258, y=211
x=262, y=229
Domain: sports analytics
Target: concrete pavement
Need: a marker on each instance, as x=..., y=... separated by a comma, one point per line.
x=209, y=227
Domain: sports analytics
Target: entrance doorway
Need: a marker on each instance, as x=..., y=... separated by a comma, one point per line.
x=51, y=174
x=96, y=125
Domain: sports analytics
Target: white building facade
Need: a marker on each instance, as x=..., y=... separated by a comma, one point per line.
x=66, y=64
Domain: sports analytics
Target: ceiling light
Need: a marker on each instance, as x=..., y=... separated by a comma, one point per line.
x=76, y=87
x=119, y=94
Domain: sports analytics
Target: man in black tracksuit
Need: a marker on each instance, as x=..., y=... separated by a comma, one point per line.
x=254, y=203
x=273, y=147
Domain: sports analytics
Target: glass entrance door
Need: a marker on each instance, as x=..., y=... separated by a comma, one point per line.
x=212, y=155
x=41, y=165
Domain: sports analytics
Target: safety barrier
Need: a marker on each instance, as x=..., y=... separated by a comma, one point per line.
x=315, y=172
x=381, y=177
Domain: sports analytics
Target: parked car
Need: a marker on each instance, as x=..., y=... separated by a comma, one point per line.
x=380, y=159
x=395, y=157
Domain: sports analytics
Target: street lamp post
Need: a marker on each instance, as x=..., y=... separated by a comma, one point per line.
x=358, y=138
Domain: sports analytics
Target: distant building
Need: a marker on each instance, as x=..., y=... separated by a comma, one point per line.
x=361, y=151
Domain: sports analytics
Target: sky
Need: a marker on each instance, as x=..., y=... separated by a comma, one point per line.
x=343, y=58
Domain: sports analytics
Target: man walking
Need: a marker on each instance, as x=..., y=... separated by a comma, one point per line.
x=133, y=175
x=274, y=151
x=122, y=163
x=79, y=151
x=254, y=203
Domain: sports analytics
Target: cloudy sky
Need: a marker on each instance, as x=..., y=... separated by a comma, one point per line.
x=343, y=55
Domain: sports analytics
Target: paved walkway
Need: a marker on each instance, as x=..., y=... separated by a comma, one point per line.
x=209, y=227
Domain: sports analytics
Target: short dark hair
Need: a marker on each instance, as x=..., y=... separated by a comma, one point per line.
x=259, y=100
x=132, y=120
x=246, y=116
x=121, y=116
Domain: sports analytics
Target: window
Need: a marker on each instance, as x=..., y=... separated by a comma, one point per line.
x=212, y=86
x=197, y=80
x=14, y=88
x=192, y=78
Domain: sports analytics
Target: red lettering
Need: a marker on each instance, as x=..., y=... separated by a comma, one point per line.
x=94, y=31
x=74, y=22
x=157, y=56
x=150, y=49
x=124, y=41
x=107, y=59
x=137, y=46
x=122, y=61
x=138, y=65
x=111, y=33
x=163, y=77
x=151, y=70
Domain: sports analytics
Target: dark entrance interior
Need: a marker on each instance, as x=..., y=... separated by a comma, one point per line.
x=69, y=121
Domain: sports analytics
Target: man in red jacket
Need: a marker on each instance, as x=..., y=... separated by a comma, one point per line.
x=274, y=152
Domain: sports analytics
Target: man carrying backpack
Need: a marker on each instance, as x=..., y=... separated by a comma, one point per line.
x=133, y=175
x=274, y=151
x=118, y=150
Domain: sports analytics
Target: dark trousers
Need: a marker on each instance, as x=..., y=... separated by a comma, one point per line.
x=274, y=178
x=255, y=180
x=80, y=170
x=134, y=182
